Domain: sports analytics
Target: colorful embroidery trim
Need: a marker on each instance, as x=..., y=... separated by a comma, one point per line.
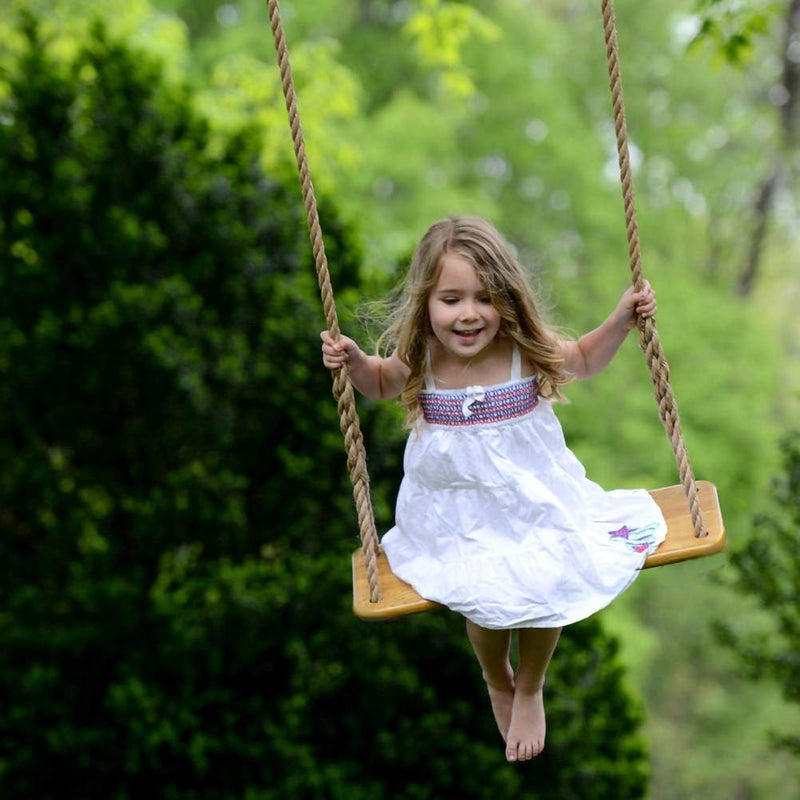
x=638, y=540
x=491, y=405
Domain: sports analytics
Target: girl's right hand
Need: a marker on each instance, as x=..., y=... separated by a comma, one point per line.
x=335, y=354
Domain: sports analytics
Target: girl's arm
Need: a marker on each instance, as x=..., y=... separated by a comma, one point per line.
x=375, y=377
x=594, y=350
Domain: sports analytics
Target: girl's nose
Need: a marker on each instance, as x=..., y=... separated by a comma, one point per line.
x=469, y=310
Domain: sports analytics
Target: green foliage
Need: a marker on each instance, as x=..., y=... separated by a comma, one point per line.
x=532, y=149
x=767, y=568
x=65, y=24
x=439, y=31
x=174, y=576
x=732, y=26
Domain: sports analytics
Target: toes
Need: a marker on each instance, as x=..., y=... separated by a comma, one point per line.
x=524, y=751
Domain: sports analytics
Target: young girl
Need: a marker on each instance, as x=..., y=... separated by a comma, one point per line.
x=495, y=516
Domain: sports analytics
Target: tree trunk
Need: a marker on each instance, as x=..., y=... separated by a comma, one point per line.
x=790, y=111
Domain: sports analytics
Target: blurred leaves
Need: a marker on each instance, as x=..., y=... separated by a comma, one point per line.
x=731, y=27
x=767, y=568
x=173, y=484
x=176, y=527
x=438, y=31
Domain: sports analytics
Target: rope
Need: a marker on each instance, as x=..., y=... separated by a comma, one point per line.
x=648, y=336
x=342, y=386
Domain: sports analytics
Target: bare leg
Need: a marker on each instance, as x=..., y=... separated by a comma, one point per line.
x=492, y=647
x=525, y=738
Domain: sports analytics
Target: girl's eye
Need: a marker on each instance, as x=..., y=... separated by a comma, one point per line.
x=450, y=300
x=485, y=299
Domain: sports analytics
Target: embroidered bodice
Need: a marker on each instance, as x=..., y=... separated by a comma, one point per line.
x=479, y=405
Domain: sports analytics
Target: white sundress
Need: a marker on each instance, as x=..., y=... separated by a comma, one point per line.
x=497, y=520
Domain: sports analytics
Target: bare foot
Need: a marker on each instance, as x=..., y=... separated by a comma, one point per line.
x=525, y=739
x=502, y=698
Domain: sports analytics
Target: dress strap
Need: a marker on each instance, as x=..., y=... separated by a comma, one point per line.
x=430, y=384
x=516, y=364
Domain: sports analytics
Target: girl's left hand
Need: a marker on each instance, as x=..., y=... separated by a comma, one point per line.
x=641, y=304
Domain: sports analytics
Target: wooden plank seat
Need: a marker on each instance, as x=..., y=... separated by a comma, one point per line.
x=399, y=599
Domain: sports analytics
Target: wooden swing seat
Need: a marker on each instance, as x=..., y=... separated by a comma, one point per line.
x=399, y=599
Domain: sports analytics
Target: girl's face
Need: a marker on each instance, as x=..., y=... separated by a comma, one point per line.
x=460, y=309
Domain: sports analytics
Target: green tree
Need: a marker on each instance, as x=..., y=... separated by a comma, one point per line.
x=767, y=569
x=174, y=524
x=532, y=149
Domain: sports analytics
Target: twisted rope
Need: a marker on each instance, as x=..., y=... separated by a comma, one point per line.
x=648, y=336
x=342, y=386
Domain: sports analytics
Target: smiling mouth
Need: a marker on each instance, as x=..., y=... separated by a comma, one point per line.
x=470, y=333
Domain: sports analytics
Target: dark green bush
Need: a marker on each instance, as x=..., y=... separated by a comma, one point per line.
x=174, y=516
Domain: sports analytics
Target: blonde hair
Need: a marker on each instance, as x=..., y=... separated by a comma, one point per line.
x=482, y=245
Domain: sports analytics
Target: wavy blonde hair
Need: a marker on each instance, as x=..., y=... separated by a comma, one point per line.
x=482, y=245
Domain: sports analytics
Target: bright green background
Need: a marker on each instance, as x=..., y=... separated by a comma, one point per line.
x=416, y=110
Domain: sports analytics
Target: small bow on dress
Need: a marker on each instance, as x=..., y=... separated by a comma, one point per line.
x=474, y=394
